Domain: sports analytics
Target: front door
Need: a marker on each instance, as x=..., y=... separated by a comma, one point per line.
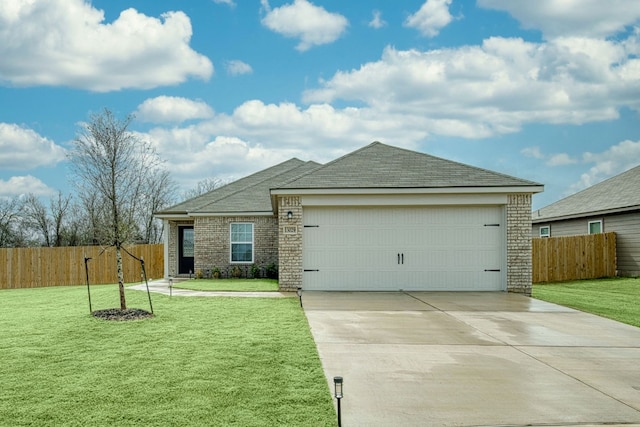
x=185, y=250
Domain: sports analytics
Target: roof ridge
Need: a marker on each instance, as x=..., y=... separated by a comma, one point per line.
x=225, y=186
x=378, y=150
x=598, y=197
x=302, y=174
x=240, y=190
x=460, y=163
x=591, y=187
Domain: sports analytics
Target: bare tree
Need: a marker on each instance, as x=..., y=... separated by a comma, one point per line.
x=113, y=168
x=159, y=194
x=59, y=207
x=36, y=217
x=203, y=186
x=10, y=234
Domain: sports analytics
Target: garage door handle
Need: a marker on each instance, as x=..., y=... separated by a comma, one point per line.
x=403, y=258
x=497, y=269
x=400, y=258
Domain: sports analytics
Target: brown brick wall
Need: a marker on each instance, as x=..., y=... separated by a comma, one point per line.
x=290, y=243
x=519, y=243
x=212, y=243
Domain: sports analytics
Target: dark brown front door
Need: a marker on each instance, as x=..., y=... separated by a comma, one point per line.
x=185, y=250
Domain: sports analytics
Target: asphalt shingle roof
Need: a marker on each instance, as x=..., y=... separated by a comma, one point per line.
x=620, y=192
x=375, y=166
x=248, y=194
x=382, y=166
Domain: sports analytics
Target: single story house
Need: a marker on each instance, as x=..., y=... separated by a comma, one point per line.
x=612, y=205
x=380, y=218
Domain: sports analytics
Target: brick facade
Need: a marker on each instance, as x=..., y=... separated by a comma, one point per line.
x=290, y=243
x=519, y=243
x=212, y=243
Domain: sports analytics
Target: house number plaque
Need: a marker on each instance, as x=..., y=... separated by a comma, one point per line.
x=291, y=229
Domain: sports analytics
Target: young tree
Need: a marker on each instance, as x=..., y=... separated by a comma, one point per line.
x=113, y=168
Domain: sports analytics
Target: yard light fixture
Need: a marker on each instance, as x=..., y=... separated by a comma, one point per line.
x=170, y=287
x=337, y=384
x=289, y=215
x=299, y=292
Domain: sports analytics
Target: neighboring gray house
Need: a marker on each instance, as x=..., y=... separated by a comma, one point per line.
x=380, y=218
x=612, y=205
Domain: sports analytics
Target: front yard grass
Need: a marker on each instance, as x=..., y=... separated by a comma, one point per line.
x=199, y=361
x=234, y=285
x=617, y=299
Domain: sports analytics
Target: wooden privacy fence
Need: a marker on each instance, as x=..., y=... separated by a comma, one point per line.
x=37, y=267
x=557, y=259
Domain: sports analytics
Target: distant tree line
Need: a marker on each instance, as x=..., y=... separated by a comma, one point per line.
x=119, y=182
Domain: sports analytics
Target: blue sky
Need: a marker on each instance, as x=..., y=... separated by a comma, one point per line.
x=546, y=90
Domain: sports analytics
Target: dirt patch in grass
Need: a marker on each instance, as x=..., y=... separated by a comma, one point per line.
x=120, y=315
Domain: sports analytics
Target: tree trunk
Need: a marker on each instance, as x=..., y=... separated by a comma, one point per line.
x=123, y=302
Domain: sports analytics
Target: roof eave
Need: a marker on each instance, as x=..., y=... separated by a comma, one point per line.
x=412, y=190
x=275, y=192
x=237, y=213
x=171, y=215
x=538, y=220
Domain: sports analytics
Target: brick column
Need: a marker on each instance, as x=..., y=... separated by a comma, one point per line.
x=290, y=243
x=519, y=243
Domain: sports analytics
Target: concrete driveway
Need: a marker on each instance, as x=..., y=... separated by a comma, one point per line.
x=474, y=359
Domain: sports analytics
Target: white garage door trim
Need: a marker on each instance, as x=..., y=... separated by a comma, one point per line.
x=434, y=248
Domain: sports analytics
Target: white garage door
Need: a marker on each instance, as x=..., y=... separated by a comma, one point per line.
x=408, y=248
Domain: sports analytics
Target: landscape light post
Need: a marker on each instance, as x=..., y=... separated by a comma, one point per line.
x=337, y=384
x=299, y=292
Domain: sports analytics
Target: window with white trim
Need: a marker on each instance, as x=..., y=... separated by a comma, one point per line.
x=595, y=227
x=241, y=240
x=545, y=231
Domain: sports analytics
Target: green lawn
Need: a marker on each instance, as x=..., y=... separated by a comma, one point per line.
x=617, y=299
x=199, y=361
x=239, y=285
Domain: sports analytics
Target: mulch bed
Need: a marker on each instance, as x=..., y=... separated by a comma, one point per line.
x=117, y=314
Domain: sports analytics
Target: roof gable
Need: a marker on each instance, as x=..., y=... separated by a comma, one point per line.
x=618, y=193
x=382, y=166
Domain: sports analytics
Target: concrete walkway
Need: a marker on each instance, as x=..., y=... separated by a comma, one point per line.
x=474, y=359
x=161, y=286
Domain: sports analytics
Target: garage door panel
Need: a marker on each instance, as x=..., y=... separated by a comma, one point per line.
x=440, y=248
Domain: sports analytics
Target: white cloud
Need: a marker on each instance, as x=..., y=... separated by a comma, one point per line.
x=431, y=18
x=22, y=185
x=533, y=152
x=584, y=18
x=80, y=50
x=172, y=109
x=22, y=148
x=311, y=24
x=615, y=160
x=497, y=87
x=236, y=67
x=230, y=3
x=558, y=159
x=377, y=22
x=257, y=135
x=561, y=159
